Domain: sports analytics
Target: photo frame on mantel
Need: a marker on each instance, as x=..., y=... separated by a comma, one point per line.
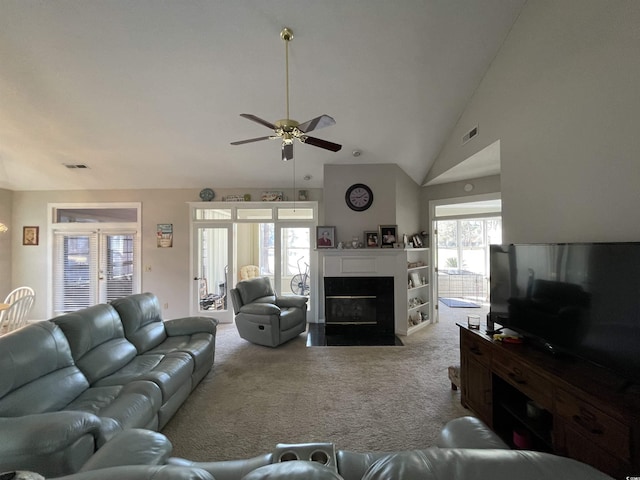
x=388, y=235
x=325, y=237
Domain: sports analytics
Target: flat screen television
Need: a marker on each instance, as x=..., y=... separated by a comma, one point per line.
x=580, y=299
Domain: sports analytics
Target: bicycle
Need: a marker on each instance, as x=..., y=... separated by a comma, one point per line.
x=300, y=281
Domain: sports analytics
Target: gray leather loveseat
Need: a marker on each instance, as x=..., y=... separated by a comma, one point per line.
x=466, y=450
x=69, y=384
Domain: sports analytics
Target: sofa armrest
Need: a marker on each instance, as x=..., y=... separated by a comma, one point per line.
x=468, y=432
x=190, y=325
x=292, y=301
x=131, y=447
x=45, y=433
x=260, y=309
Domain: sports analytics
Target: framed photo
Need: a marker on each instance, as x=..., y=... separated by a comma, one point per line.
x=371, y=239
x=30, y=235
x=415, y=279
x=325, y=237
x=388, y=235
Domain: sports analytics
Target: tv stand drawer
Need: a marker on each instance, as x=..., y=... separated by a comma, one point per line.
x=523, y=378
x=600, y=428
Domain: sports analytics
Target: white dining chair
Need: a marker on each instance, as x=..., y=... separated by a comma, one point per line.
x=16, y=315
x=18, y=293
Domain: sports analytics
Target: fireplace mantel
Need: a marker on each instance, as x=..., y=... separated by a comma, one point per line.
x=359, y=262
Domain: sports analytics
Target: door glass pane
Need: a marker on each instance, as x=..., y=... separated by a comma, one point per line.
x=96, y=215
x=295, y=213
x=75, y=272
x=295, y=257
x=212, y=267
x=255, y=214
x=117, y=269
x=212, y=213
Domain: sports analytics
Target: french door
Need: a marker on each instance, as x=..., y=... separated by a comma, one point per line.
x=213, y=255
x=94, y=266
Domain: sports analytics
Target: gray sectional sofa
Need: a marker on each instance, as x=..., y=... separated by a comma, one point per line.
x=466, y=450
x=69, y=384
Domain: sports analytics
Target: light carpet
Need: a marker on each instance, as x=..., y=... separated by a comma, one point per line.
x=360, y=398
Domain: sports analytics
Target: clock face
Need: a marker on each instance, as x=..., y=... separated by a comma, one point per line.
x=359, y=197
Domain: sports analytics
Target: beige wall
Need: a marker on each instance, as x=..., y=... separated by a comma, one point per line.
x=562, y=98
x=395, y=199
x=6, y=242
x=169, y=277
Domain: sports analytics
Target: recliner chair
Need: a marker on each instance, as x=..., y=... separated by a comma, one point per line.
x=264, y=318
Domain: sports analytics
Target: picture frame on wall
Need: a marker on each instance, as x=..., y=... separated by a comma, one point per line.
x=371, y=239
x=325, y=237
x=30, y=235
x=388, y=235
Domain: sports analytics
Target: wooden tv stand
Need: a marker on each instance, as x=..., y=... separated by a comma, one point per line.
x=576, y=409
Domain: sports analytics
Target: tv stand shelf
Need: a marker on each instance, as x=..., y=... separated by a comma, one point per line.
x=538, y=401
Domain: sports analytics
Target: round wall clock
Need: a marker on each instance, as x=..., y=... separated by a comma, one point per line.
x=206, y=194
x=359, y=197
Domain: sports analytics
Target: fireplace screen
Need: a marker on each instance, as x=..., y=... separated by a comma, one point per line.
x=364, y=302
x=351, y=309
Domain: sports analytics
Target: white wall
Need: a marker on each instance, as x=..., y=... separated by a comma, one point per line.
x=562, y=98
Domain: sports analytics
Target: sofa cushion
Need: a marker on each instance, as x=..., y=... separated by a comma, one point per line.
x=135, y=404
x=200, y=346
x=169, y=372
x=38, y=373
x=142, y=320
x=96, y=337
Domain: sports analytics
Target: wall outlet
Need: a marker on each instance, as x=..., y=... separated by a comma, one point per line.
x=147, y=268
x=166, y=306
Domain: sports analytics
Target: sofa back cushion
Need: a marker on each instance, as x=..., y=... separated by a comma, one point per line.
x=256, y=289
x=142, y=320
x=97, y=341
x=37, y=371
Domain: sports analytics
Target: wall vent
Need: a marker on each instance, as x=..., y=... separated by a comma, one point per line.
x=75, y=165
x=470, y=134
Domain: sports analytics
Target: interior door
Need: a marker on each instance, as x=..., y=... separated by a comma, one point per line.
x=213, y=247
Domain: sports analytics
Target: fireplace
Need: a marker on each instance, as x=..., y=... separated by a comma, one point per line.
x=359, y=305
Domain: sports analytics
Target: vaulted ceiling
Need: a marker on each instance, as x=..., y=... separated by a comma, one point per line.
x=147, y=93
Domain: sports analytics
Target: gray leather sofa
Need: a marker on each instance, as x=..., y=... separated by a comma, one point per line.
x=69, y=384
x=264, y=318
x=466, y=450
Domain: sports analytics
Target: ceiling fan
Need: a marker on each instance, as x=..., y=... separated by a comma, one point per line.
x=287, y=129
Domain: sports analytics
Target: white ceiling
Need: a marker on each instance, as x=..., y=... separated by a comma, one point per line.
x=147, y=93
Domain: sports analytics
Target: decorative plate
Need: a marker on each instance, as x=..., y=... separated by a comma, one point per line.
x=206, y=194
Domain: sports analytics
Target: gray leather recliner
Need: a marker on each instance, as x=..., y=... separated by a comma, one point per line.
x=264, y=318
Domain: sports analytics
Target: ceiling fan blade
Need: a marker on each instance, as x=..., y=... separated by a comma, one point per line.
x=287, y=152
x=250, y=140
x=253, y=118
x=316, y=123
x=318, y=142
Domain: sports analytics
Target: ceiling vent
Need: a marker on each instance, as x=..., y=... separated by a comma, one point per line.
x=470, y=134
x=75, y=165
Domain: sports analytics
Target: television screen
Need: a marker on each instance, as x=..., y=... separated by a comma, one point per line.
x=581, y=298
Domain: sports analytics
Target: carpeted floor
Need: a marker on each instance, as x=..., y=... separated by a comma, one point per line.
x=361, y=398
